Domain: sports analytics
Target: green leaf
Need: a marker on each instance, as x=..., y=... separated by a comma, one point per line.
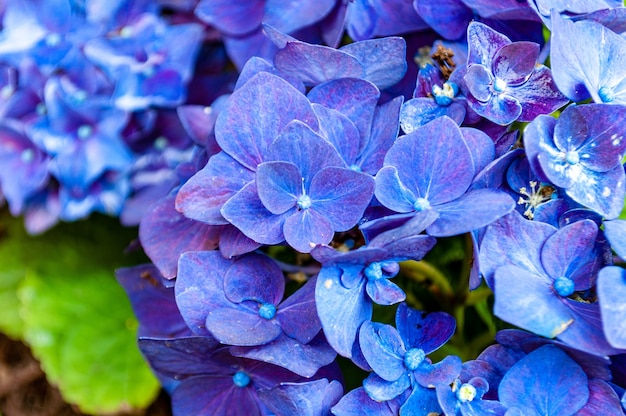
x=63, y=299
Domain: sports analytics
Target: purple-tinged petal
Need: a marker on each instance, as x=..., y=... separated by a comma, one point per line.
x=448, y=17
x=391, y=192
x=501, y=109
x=546, y=381
x=246, y=212
x=403, y=232
x=279, y=185
x=296, y=14
x=478, y=80
x=255, y=65
x=234, y=243
x=602, y=400
x=611, y=291
x=181, y=357
x=232, y=19
x=358, y=403
x=218, y=396
x=410, y=248
x=380, y=389
x=383, y=349
x=298, y=314
x=255, y=114
x=304, y=148
x=482, y=147
x=165, y=234
x=384, y=60
x=241, y=327
x=438, y=168
x=341, y=310
x=503, y=9
x=396, y=16
x=570, y=249
x=538, y=311
x=424, y=330
x=483, y=43
x=515, y=62
x=384, y=292
x=340, y=132
x=538, y=95
x=254, y=44
x=442, y=373
x=304, y=360
x=341, y=196
x=474, y=210
x=306, y=228
x=420, y=111
x=153, y=304
x=616, y=234
x=312, y=398
x=316, y=64
x=355, y=98
x=203, y=195
x=254, y=277
x=199, y=287
x=198, y=121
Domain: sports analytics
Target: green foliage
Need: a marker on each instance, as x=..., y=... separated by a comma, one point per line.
x=66, y=304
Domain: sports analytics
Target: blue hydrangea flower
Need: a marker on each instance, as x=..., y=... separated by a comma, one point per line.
x=581, y=152
x=502, y=81
x=467, y=398
x=549, y=266
x=357, y=401
x=398, y=356
x=313, y=398
x=432, y=168
x=367, y=19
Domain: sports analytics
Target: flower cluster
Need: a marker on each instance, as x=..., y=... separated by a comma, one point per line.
x=289, y=217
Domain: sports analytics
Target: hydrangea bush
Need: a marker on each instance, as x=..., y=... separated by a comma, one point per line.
x=379, y=207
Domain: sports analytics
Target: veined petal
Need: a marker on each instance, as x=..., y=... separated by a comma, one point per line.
x=254, y=277
x=306, y=228
x=239, y=326
x=279, y=185
x=424, y=330
x=478, y=80
x=383, y=349
x=515, y=62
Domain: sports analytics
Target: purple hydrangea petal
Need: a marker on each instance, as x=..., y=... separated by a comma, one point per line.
x=448, y=17
x=254, y=277
x=203, y=195
x=547, y=316
x=384, y=292
x=602, y=399
x=232, y=19
x=357, y=402
x=241, y=49
x=217, y=396
x=295, y=15
x=474, y=210
x=423, y=161
x=279, y=185
x=246, y=212
x=341, y=310
x=341, y=196
x=355, y=98
x=501, y=109
x=256, y=113
x=234, y=326
x=298, y=314
x=539, y=95
x=419, y=111
x=165, y=234
x=478, y=80
x=310, y=398
x=384, y=59
x=200, y=288
x=483, y=43
x=316, y=64
x=306, y=228
x=515, y=62
x=340, y=131
x=482, y=147
x=234, y=243
x=424, y=330
x=304, y=360
x=531, y=384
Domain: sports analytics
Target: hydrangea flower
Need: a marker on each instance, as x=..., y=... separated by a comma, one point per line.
x=398, y=356
x=581, y=152
x=432, y=168
x=502, y=81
